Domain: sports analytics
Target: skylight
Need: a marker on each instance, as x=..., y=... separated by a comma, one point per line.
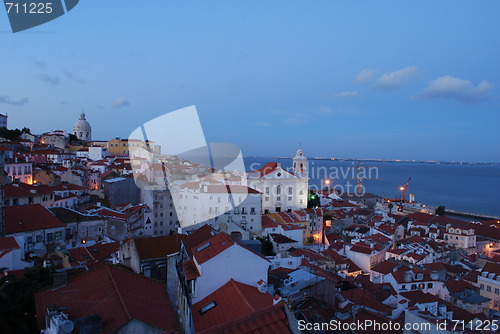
x=207, y=308
x=199, y=249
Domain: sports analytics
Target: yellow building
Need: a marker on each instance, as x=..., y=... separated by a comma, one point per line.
x=118, y=146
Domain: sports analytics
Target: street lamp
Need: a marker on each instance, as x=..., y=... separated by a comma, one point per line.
x=327, y=182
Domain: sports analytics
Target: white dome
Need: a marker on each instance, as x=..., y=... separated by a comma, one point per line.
x=82, y=128
x=82, y=125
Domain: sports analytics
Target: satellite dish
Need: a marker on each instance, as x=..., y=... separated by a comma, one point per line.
x=68, y=326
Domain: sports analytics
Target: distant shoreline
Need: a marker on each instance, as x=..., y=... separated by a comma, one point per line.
x=388, y=160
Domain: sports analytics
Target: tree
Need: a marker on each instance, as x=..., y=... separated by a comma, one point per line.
x=17, y=302
x=441, y=210
x=267, y=247
x=313, y=200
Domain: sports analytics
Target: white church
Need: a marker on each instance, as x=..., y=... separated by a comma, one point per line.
x=82, y=129
x=282, y=190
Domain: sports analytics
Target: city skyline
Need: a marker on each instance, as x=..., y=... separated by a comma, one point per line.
x=411, y=82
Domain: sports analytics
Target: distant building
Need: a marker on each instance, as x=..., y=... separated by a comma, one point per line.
x=82, y=129
x=282, y=190
x=3, y=121
x=121, y=190
x=58, y=138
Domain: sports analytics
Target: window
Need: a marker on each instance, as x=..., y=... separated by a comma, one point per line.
x=278, y=198
x=58, y=235
x=482, y=287
x=429, y=286
x=267, y=190
x=49, y=236
x=30, y=240
x=266, y=199
x=488, y=288
x=290, y=190
x=497, y=291
x=207, y=308
x=252, y=211
x=278, y=190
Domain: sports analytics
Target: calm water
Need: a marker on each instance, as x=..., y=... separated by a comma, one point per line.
x=470, y=188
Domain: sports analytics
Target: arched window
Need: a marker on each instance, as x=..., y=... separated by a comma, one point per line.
x=278, y=190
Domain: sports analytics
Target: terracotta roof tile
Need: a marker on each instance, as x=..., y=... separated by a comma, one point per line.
x=117, y=295
x=29, y=218
x=239, y=308
x=158, y=247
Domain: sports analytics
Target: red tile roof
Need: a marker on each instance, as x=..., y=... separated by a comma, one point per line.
x=239, y=308
x=7, y=244
x=267, y=168
x=29, y=218
x=459, y=286
x=418, y=296
x=197, y=237
x=158, y=247
x=364, y=248
x=117, y=295
x=190, y=270
x=268, y=222
x=361, y=296
x=212, y=247
x=92, y=255
x=385, y=267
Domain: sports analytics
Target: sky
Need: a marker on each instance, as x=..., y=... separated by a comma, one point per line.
x=346, y=79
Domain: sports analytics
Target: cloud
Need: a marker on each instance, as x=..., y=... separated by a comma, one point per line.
x=367, y=75
x=8, y=100
x=396, y=79
x=458, y=89
x=342, y=95
x=70, y=75
x=321, y=110
x=263, y=124
x=121, y=102
x=294, y=121
x=51, y=80
x=41, y=64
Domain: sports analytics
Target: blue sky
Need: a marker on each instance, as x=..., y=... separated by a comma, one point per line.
x=363, y=79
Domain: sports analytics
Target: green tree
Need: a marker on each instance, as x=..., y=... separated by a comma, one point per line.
x=313, y=200
x=267, y=247
x=17, y=302
x=441, y=210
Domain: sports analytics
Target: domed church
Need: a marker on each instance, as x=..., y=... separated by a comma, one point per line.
x=82, y=129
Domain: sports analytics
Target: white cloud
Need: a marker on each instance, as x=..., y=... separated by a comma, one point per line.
x=121, y=102
x=367, y=75
x=396, y=79
x=345, y=94
x=294, y=121
x=458, y=89
x=51, y=80
x=263, y=124
x=8, y=100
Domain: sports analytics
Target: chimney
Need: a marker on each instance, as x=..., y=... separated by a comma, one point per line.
x=277, y=299
x=262, y=286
